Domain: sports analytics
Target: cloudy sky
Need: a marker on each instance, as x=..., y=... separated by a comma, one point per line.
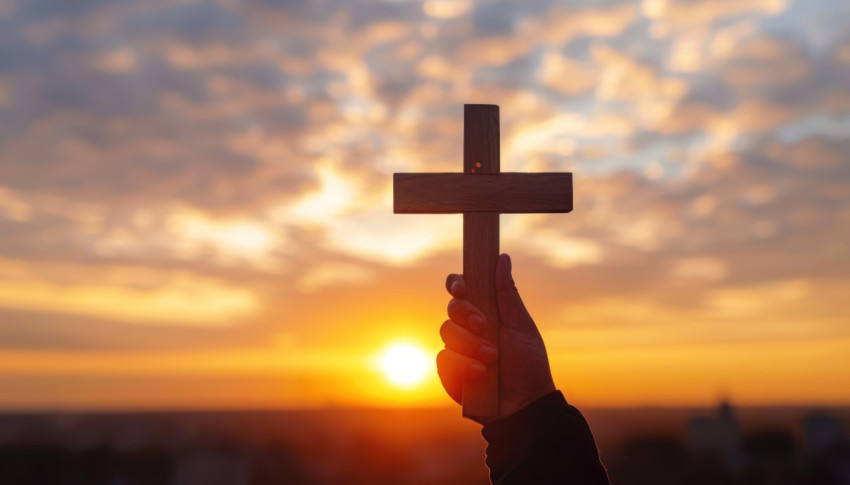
x=196, y=211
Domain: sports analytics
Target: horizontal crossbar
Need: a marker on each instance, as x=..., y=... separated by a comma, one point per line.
x=447, y=193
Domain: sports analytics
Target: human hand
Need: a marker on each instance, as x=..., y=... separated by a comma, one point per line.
x=521, y=357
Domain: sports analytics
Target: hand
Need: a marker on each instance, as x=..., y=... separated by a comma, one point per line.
x=524, y=368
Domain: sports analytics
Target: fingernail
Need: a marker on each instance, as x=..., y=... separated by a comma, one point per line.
x=488, y=354
x=476, y=370
x=453, y=288
x=475, y=321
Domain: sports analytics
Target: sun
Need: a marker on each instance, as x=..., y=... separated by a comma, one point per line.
x=404, y=365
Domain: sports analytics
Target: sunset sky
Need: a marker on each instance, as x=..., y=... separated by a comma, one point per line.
x=196, y=206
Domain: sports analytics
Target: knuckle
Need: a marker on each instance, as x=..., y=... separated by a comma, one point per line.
x=457, y=309
x=451, y=306
x=444, y=329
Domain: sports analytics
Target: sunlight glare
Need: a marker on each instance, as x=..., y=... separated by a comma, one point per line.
x=405, y=365
x=333, y=198
x=244, y=237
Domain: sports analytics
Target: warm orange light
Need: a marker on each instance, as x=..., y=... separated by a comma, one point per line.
x=405, y=365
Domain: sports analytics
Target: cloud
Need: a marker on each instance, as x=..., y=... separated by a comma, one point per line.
x=711, y=269
x=122, y=294
x=567, y=76
x=684, y=14
x=560, y=24
x=319, y=276
x=446, y=8
x=381, y=236
x=118, y=60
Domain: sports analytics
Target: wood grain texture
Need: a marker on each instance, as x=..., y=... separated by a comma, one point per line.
x=481, y=250
x=481, y=138
x=480, y=254
x=444, y=193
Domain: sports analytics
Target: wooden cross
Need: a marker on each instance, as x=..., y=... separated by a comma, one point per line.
x=481, y=193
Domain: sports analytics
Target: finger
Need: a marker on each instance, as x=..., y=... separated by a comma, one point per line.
x=453, y=368
x=512, y=311
x=455, y=285
x=466, y=314
x=465, y=342
x=504, y=278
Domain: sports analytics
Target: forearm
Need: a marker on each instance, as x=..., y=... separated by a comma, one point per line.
x=547, y=442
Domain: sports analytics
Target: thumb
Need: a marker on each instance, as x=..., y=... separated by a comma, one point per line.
x=512, y=312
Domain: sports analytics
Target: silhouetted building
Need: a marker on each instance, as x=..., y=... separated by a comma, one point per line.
x=772, y=457
x=718, y=434
x=827, y=450
x=822, y=432
x=212, y=467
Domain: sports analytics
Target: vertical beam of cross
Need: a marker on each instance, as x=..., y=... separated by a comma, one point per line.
x=481, y=250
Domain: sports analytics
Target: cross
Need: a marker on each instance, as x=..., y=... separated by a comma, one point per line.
x=481, y=193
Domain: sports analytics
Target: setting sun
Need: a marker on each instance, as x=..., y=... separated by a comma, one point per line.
x=405, y=365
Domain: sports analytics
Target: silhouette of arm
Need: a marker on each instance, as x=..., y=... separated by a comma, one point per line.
x=546, y=442
x=538, y=438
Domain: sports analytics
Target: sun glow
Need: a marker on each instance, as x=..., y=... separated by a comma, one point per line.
x=403, y=364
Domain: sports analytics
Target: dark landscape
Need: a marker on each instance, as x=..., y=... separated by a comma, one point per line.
x=723, y=445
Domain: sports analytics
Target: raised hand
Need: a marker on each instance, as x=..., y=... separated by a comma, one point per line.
x=521, y=357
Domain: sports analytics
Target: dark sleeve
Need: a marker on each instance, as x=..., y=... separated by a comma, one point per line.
x=546, y=442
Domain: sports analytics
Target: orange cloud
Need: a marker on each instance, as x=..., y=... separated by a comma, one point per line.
x=565, y=75
x=560, y=24
x=170, y=298
x=685, y=15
